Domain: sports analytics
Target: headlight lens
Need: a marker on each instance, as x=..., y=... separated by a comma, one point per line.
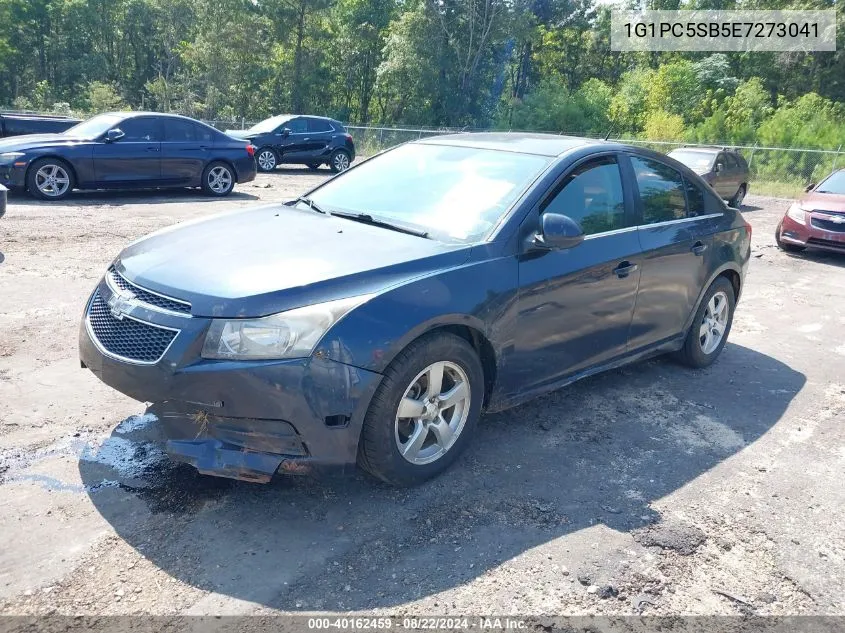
x=796, y=212
x=291, y=334
x=10, y=157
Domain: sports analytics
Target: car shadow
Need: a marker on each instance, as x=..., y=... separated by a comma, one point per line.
x=597, y=452
x=112, y=197
x=745, y=208
x=829, y=258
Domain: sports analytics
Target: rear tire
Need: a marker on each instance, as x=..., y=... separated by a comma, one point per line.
x=716, y=312
x=408, y=450
x=340, y=160
x=50, y=179
x=266, y=159
x=739, y=196
x=218, y=179
x=786, y=247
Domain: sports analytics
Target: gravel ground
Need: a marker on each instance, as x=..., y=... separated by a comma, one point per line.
x=652, y=489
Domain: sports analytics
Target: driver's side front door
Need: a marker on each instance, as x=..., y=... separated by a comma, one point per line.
x=293, y=139
x=134, y=160
x=575, y=305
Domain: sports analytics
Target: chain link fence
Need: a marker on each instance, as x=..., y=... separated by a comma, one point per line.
x=776, y=171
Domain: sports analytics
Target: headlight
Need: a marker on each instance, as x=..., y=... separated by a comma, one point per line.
x=796, y=212
x=291, y=334
x=10, y=157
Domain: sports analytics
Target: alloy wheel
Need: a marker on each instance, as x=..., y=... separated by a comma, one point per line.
x=714, y=323
x=52, y=180
x=219, y=179
x=267, y=160
x=432, y=413
x=341, y=161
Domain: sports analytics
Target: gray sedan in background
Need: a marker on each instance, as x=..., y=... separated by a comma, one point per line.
x=723, y=169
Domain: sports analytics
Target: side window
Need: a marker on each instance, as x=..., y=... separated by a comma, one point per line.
x=592, y=196
x=720, y=164
x=695, y=199
x=319, y=125
x=297, y=126
x=203, y=133
x=178, y=131
x=143, y=129
x=661, y=190
x=731, y=161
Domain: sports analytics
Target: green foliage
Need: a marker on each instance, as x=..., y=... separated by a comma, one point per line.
x=103, y=97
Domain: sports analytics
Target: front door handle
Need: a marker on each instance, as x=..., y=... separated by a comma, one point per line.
x=152, y=149
x=698, y=248
x=624, y=269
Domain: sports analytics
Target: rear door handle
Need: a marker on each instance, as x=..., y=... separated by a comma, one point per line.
x=624, y=269
x=152, y=149
x=698, y=248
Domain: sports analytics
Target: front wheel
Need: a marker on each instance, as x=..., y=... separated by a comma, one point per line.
x=314, y=166
x=710, y=327
x=424, y=412
x=339, y=160
x=50, y=179
x=218, y=179
x=266, y=159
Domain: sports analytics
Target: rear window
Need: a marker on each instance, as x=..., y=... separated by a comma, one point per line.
x=178, y=131
x=661, y=191
x=319, y=125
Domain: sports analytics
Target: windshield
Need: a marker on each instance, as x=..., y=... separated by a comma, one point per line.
x=452, y=193
x=268, y=125
x=835, y=183
x=95, y=127
x=697, y=161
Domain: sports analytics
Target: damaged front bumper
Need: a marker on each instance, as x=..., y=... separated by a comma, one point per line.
x=243, y=420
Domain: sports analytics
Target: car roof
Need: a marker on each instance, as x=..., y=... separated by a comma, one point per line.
x=524, y=143
x=705, y=150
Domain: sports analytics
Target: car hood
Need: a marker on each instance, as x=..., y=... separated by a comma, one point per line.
x=32, y=141
x=270, y=259
x=244, y=134
x=823, y=202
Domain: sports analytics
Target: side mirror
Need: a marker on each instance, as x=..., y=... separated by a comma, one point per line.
x=719, y=167
x=285, y=132
x=558, y=231
x=810, y=187
x=114, y=135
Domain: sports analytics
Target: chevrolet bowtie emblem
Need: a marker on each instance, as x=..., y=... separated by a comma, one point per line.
x=120, y=303
x=837, y=219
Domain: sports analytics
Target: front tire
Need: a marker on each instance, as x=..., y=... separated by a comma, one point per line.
x=710, y=327
x=339, y=160
x=50, y=179
x=424, y=413
x=314, y=166
x=266, y=159
x=218, y=179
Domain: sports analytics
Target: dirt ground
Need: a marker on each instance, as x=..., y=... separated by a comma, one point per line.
x=652, y=489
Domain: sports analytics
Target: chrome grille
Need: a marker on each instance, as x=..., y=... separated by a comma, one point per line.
x=127, y=338
x=117, y=281
x=828, y=225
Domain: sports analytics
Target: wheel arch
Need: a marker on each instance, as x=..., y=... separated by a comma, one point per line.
x=732, y=273
x=225, y=161
x=54, y=156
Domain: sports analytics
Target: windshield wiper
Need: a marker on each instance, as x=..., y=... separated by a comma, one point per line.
x=311, y=204
x=366, y=218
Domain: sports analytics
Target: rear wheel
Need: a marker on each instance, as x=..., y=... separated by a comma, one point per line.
x=710, y=327
x=339, y=160
x=739, y=196
x=424, y=412
x=218, y=179
x=785, y=246
x=50, y=179
x=266, y=159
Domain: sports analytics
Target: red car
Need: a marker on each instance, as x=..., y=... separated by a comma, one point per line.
x=816, y=220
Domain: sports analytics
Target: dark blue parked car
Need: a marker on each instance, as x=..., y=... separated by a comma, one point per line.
x=125, y=150
x=297, y=139
x=372, y=320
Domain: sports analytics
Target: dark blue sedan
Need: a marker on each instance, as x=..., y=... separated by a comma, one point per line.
x=124, y=151
x=375, y=318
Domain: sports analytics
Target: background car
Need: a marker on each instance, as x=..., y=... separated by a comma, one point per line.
x=817, y=219
x=723, y=169
x=126, y=150
x=452, y=274
x=12, y=124
x=297, y=139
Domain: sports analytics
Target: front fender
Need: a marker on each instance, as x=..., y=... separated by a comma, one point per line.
x=477, y=294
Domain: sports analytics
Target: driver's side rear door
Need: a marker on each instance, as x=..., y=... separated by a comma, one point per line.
x=134, y=160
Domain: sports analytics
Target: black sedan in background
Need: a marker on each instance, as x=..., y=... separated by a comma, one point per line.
x=302, y=140
x=124, y=150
